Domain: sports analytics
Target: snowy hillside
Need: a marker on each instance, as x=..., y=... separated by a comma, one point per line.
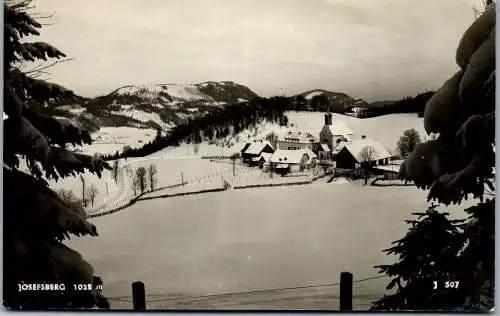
x=156, y=105
x=338, y=100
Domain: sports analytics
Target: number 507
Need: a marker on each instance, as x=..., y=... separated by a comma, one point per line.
x=451, y=284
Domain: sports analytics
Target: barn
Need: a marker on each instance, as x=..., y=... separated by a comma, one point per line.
x=251, y=152
x=361, y=153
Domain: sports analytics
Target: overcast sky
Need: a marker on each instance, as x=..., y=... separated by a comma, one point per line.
x=371, y=49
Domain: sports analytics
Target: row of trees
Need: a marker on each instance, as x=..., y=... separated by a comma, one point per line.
x=145, y=178
x=407, y=105
x=69, y=196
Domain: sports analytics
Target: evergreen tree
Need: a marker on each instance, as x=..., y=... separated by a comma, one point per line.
x=36, y=219
x=456, y=254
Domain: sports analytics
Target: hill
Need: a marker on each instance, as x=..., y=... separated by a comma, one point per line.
x=320, y=99
x=157, y=106
x=414, y=104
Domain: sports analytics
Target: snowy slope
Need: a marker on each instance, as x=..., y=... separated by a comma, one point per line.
x=157, y=105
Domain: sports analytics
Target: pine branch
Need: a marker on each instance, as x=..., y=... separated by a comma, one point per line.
x=38, y=50
x=39, y=211
x=25, y=139
x=64, y=163
x=58, y=131
x=40, y=68
x=36, y=90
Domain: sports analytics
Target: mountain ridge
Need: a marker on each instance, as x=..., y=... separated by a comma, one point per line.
x=159, y=106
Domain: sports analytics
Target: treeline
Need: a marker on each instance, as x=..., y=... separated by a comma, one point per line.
x=407, y=105
x=227, y=121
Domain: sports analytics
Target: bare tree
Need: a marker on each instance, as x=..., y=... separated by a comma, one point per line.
x=92, y=192
x=141, y=181
x=367, y=155
x=407, y=143
x=69, y=197
x=234, y=157
x=134, y=185
x=114, y=170
x=84, y=198
x=152, y=176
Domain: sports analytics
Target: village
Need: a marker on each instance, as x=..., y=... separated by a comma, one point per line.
x=336, y=148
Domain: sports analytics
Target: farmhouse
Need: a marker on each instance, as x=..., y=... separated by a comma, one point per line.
x=294, y=140
x=293, y=160
x=361, y=152
x=251, y=152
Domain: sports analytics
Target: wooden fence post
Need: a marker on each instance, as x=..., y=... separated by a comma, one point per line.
x=139, y=296
x=346, y=291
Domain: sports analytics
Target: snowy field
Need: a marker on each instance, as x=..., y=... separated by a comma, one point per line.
x=252, y=239
x=108, y=140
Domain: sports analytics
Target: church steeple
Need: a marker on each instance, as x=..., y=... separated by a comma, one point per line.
x=328, y=117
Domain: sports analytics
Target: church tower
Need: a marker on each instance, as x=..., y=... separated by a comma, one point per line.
x=328, y=117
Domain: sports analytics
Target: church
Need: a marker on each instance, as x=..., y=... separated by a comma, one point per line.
x=329, y=137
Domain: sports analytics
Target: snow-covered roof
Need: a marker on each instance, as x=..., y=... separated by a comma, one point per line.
x=338, y=147
x=325, y=147
x=265, y=156
x=339, y=128
x=297, y=137
x=356, y=147
x=309, y=153
x=288, y=156
x=256, y=148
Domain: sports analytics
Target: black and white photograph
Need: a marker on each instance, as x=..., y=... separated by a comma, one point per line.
x=249, y=155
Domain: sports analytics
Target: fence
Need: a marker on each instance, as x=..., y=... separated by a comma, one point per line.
x=345, y=296
x=179, y=194
x=270, y=185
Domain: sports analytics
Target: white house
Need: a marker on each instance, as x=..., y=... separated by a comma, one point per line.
x=293, y=140
x=293, y=160
x=355, y=153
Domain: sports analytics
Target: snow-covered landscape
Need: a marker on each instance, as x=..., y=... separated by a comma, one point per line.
x=217, y=242
x=251, y=239
x=249, y=155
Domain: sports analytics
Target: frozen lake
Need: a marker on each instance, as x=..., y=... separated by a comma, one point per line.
x=249, y=240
